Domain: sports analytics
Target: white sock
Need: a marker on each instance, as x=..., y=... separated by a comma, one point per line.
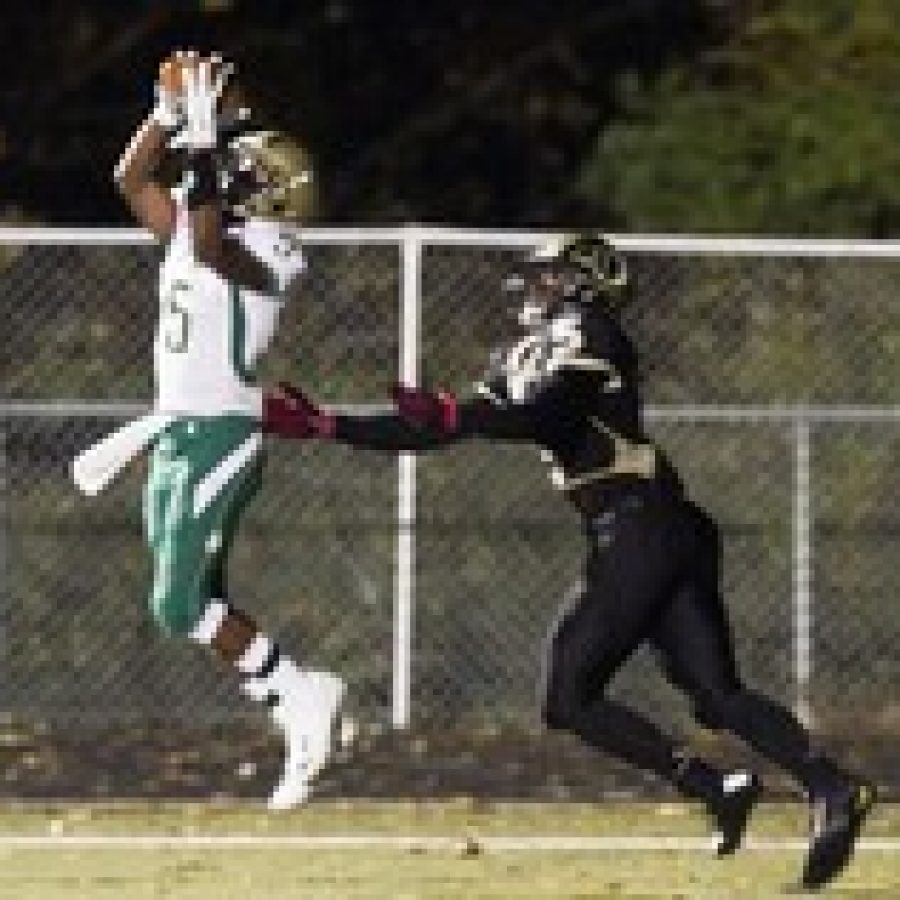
x=259, y=657
x=207, y=628
x=269, y=685
x=261, y=664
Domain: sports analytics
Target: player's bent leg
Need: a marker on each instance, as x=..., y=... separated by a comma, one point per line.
x=627, y=574
x=176, y=542
x=695, y=640
x=619, y=731
x=580, y=664
x=202, y=479
x=839, y=801
x=305, y=704
x=176, y=599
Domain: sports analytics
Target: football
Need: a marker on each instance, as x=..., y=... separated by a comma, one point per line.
x=171, y=71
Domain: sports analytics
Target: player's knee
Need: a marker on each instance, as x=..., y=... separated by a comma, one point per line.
x=554, y=711
x=558, y=714
x=714, y=707
x=563, y=703
x=575, y=679
x=176, y=612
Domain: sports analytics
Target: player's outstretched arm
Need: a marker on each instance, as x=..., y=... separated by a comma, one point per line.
x=135, y=174
x=442, y=413
x=205, y=81
x=421, y=421
x=288, y=412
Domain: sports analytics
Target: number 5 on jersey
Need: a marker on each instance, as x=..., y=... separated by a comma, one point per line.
x=176, y=320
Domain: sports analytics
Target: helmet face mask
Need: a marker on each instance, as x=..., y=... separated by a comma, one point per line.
x=539, y=288
x=580, y=269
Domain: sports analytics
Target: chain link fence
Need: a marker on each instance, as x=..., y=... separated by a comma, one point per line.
x=772, y=373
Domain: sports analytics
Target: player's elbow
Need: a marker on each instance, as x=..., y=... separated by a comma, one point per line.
x=126, y=168
x=127, y=181
x=561, y=704
x=123, y=178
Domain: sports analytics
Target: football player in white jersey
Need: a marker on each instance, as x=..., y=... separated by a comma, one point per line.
x=227, y=264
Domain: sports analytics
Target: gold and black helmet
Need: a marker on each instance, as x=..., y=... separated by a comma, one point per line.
x=269, y=175
x=573, y=268
x=591, y=266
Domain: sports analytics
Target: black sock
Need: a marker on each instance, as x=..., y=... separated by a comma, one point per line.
x=624, y=734
x=772, y=731
x=696, y=778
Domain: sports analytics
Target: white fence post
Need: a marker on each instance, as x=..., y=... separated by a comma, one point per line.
x=5, y=574
x=803, y=653
x=411, y=254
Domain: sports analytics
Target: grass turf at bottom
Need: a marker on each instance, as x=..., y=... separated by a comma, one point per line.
x=227, y=873
x=66, y=872
x=460, y=817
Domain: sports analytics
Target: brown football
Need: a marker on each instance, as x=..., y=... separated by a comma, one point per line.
x=171, y=71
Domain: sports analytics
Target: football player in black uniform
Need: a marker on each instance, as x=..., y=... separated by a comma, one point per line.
x=570, y=385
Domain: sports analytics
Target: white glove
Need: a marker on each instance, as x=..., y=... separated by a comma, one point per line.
x=201, y=94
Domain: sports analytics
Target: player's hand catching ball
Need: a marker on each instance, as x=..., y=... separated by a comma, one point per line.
x=169, y=88
x=192, y=85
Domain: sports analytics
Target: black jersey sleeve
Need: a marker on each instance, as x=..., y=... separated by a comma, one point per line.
x=543, y=385
x=387, y=432
x=564, y=397
x=561, y=400
x=479, y=417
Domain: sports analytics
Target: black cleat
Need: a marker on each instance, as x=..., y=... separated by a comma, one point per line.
x=731, y=813
x=837, y=819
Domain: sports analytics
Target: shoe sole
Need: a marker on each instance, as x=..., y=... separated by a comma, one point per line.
x=860, y=814
x=724, y=850
x=342, y=732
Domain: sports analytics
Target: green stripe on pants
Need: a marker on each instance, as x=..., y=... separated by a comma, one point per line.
x=189, y=540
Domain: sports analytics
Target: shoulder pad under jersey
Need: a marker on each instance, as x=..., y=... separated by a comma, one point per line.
x=277, y=246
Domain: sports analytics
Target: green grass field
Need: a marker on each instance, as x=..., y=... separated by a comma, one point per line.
x=252, y=854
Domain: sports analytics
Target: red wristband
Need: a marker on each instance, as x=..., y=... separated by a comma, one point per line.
x=325, y=425
x=449, y=412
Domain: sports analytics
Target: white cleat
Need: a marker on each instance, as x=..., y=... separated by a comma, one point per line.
x=308, y=714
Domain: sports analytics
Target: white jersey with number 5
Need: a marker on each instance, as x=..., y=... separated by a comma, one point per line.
x=211, y=332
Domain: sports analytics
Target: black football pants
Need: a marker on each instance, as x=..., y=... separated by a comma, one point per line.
x=653, y=575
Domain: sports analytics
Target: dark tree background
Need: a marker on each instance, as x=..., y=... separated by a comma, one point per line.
x=770, y=116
